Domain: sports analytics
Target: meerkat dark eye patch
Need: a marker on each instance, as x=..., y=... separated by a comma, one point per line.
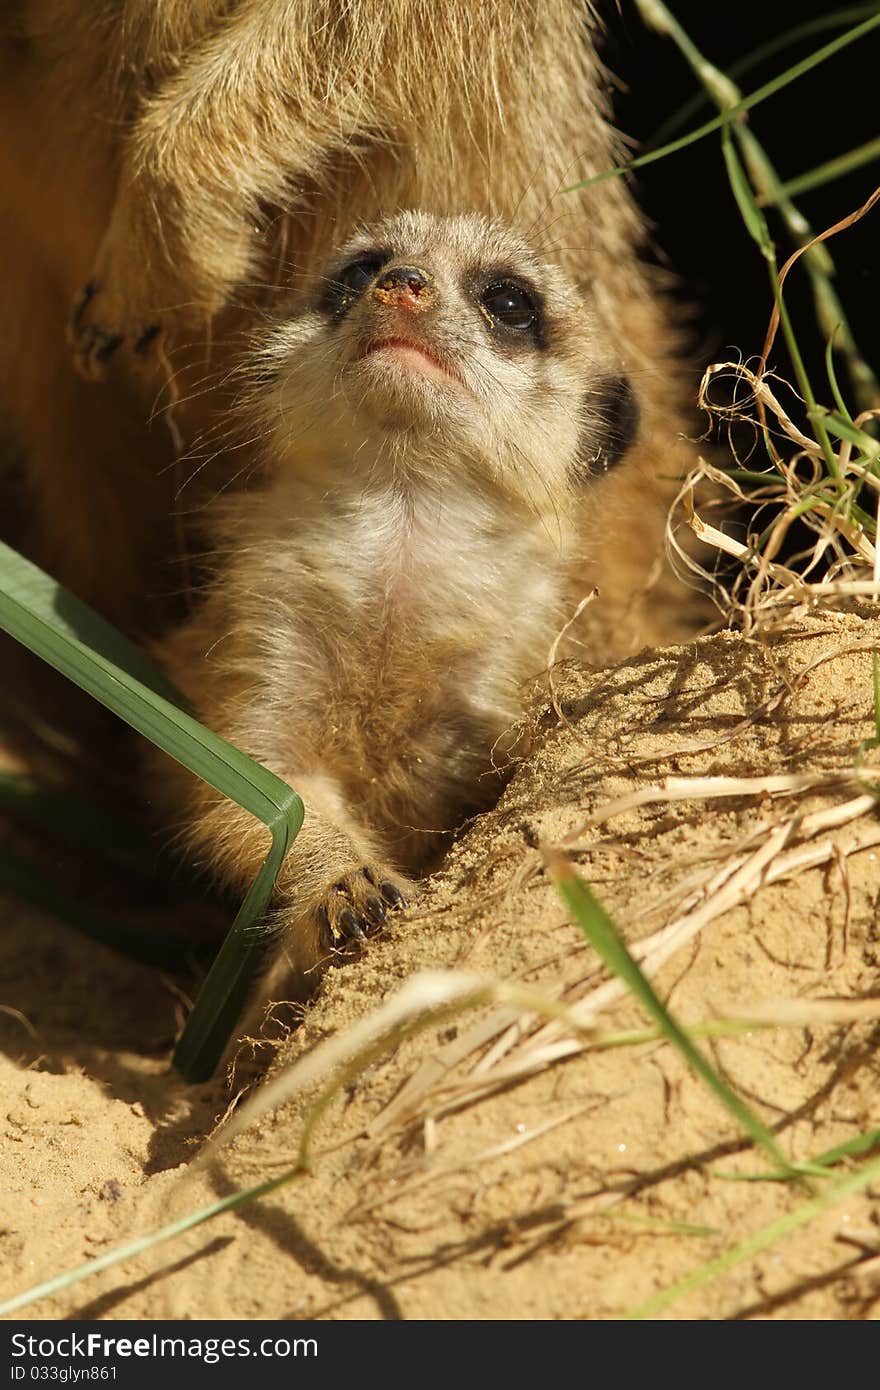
x=348, y=282
x=611, y=424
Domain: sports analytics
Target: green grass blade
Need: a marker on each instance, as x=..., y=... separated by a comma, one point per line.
x=757, y=227
x=760, y=94
x=238, y=1199
x=755, y=222
x=842, y=428
x=67, y=634
x=818, y=1166
x=833, y=383
x=850, y=1148
x=698, y=1278
x=839, y=19
x=229, y=981
x=817, y=259
x=605, y=939
x=816, y=416
x=832, y=169
x=860, y=1144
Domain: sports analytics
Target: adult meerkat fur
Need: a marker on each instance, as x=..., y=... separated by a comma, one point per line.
x=432, y=428
x=162, y=160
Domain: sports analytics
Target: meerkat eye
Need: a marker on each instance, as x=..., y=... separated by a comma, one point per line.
x=357, y=275
x=511, y=305
x=350, y=281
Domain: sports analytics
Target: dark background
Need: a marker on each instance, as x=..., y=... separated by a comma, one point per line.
x=697, y=226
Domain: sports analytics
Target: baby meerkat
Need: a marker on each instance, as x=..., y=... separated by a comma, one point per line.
x=430, y=425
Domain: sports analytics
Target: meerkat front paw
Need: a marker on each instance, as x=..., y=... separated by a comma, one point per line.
x=357, y=905
x=142, y=290
x=100, y=326
x=155, y=278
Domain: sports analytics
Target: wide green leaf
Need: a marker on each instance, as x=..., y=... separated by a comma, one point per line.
x=59, y=628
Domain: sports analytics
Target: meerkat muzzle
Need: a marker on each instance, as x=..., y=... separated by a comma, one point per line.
x=406, y=287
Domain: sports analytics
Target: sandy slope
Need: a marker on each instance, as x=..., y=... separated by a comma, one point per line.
x=561, y=1190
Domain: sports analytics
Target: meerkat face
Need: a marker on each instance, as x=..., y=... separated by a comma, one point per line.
x=443, y=343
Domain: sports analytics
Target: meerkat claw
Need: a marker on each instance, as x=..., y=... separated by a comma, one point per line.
x=147, y=338
x=80, y=306
x=392, y=894
x=357, y=907
x=94, y=344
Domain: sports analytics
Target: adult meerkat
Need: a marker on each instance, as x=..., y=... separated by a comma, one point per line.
x=431, y=425
x=161, y=161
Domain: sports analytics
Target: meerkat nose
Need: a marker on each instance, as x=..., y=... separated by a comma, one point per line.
x=405, y=287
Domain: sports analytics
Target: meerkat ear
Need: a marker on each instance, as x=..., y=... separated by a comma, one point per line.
x=612, y=414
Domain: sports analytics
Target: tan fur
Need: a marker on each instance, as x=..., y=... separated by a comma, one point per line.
x=380, y=605
x=184, y=155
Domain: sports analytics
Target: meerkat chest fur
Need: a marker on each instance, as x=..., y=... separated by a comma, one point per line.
x=403, y=606
x=410, y=565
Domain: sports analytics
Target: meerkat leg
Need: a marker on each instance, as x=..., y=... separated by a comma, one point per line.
x=241, y=122
x=335, y=888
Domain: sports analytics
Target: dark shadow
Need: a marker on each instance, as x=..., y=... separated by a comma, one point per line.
x=764, y=1306
x=102, y=1306
x=286, y=1232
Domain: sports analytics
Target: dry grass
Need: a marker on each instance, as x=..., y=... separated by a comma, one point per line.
x=805, y=465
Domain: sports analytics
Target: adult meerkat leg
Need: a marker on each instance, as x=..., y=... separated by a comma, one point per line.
x=95, y=494
x=243, y=119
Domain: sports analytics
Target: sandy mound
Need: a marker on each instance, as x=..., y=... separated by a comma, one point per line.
x=497, y=1165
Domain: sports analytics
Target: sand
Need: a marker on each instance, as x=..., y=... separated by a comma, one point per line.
x=499, y=1165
